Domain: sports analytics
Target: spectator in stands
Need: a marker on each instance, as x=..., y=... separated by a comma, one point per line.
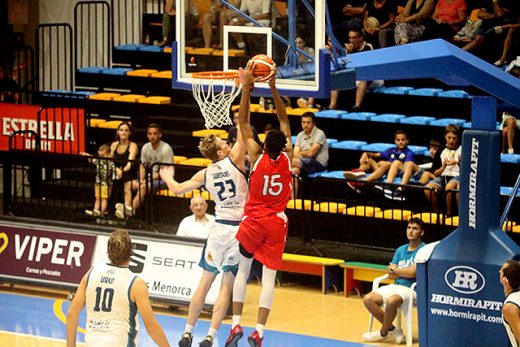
x=510, y=279
x=198, y=224
x=9, y=89
x=402, y=269
x=154, y=152
x=447, y=176
x=113, y=295
x=311, y=150
x=356, y=43
x=433, y=164
x=409, y=25
x=224, y=16
x=301, y=44
x=260, y=11
x=353, y=12
x=512, y=31
x=395, y=160
x=447, y=19
x=124, y=153
x=510, y=124
x=105, y=174
x=379, y=22
x=168, y=23
x=233, y=131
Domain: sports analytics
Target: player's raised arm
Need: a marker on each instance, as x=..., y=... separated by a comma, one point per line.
x=247, y=79
x=177, y=188
x=281, y=113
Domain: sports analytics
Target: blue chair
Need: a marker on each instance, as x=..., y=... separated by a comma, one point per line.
x=377, y=147
x=317, y=174
x=510, y=158
x=447, y=121
x=149, y=48
x=388, y=118
x=92, y=69
x=507, y=191
x=417, y=120
x=120, y=71
x=419, y=150
x=334, y=114
x=331, y=141
x=467, y=125
x=393, y=90
x=348, y=144
x=363, y=116
x=425, y=91
x=461, y=94
x=129, y=47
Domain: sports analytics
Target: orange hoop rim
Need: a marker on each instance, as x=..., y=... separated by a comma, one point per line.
x=215, y=75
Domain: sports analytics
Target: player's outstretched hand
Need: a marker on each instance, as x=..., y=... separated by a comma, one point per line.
x=166, y=173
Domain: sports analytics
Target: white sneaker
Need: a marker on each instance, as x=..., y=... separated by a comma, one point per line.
x=397, y=334
x=510, y=150
x=374, y=336
x=302, y=103
x=120, y=211
x=93, y=213
x=129, y=211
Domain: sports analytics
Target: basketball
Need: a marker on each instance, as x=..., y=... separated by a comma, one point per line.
x=372, y=23
x=264, y=66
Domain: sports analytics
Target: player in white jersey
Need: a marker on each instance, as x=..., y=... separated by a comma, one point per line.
x=113, y=295
x=510, y=279
x=226, y=181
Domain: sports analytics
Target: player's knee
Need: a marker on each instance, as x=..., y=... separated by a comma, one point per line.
x=394, y=301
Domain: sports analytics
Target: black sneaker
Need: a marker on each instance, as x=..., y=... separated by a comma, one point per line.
x=207, y=342
x=186, y=340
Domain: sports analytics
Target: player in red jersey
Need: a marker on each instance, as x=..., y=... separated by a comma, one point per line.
x=263, y=230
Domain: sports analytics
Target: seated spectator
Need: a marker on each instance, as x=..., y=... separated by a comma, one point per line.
x=510, y=125
x=448, y=175
x=409, y=25
x=258, y=10
x=432, y=164
x=350, y=16
x=402, y=268
x=447, y=19
x=395, y=160
x=379, y=22
x=311, y=150
x=105, y=174
x=152, y=153
x=512, y=31
x=224, y=16
x=198, y=224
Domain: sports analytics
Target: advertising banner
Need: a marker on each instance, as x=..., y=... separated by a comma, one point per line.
x=61, y=130
x=170, y=270
x=41, y=255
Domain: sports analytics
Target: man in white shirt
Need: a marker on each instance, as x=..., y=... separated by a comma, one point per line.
x=198, y=224
x=510, y=280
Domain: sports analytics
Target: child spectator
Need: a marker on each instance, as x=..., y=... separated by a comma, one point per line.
x=395, y=160
x=432, y=164
x=447, y=176
x=105, y=174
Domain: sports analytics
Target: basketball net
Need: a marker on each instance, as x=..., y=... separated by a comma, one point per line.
x=214, y=100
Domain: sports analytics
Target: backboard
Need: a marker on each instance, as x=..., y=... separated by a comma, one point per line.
x=204, y=45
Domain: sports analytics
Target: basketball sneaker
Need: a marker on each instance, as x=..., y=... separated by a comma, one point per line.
x=234, y=335
x=373, y=336
x=207, y=342
x=120, y=211
x=255, y=340
x=186, y=340
x=397, y=334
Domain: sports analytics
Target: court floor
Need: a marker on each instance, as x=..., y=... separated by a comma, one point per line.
x=310, y=319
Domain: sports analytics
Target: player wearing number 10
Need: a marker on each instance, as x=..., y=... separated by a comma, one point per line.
x=226, y=181
x=263, y=229
x=113, y=295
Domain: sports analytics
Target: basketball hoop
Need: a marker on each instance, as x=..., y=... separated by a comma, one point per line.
x=215, y=101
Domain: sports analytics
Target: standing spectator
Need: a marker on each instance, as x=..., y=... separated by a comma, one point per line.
x=124, y=153
x=311, y=151
x=153, y=152
x=448, y=174
x=127, y=294
x=219, y=12
x=258, y=10
x=398, y=159
x=168, y=23
x=510, y=280
x=447, y=19
x=105, y=173
x=409, y=25
x=382, y=13
x=402, y=268
x=199, y=223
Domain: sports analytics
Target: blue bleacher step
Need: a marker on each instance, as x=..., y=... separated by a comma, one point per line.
x=328, y=174
x=393, y=90
x=120, y=71
x=467, y=125
x=363, y=116
x=377, y=147
x=417, y=120
x=334, y=114
x=426, y=91
x=331, y=141
x=447, y=121
x=508, y=191
x=348, y=144
x=60, y=93
x=92, y=69
x=460, y=94
x=388, y=118
x=510, y=158
x=418, y=150
x=128, y=47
